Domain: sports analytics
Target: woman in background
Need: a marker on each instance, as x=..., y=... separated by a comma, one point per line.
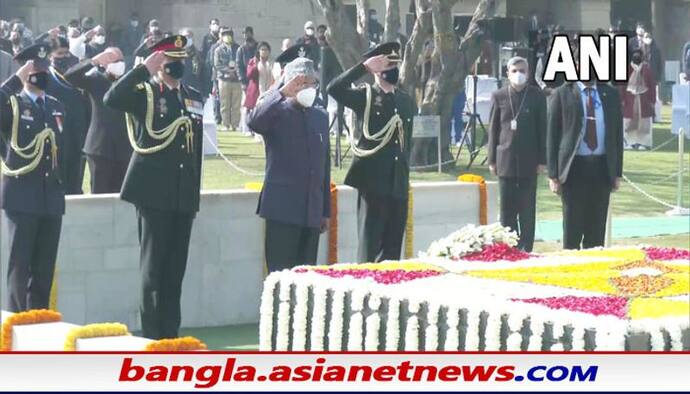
x=639, y=97
x=260, y=76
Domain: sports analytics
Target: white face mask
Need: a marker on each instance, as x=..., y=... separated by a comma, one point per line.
x=647, y=40
x=639, y=31
x=310, y=32
x=190, y=42
x=99, y=40
x=134, y=23
x=115, y=69
x=306, y=97
x=215, y=28
x=517, y=78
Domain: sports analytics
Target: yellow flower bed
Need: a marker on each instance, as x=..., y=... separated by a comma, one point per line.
x=96, y=330
x=654, y=308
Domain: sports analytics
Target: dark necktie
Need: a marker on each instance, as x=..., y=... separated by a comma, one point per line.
x=40, y=103
x=591, y=130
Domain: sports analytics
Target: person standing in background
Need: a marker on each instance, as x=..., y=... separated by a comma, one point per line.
x=72, y=161
x=107, y=147
x=98, y=42
x=584, y=152
x=246, y=52
x=193, y=63
x=259, y=72
x=639, y=98
x=229, y=86
x=310, y=43
x=517, y=149
x=210, y=39
x=132, y=38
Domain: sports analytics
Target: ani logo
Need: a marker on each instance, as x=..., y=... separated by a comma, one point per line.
x=302, y=52
x=42, y=53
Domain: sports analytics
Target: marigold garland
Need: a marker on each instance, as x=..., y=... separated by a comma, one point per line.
x=185, y=344
x=483, y=206
x=34, y=316
x=409, y=226
x=333, y=227
x=96, y=330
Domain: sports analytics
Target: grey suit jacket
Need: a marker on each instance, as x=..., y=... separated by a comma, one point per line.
x=564, y=129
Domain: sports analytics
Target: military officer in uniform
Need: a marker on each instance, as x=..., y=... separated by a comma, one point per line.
x=380, y=169
x=31, y=126
x=77, y=117
x=163, y=179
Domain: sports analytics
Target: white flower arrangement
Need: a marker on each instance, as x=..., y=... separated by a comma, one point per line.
x=451, y=291
x=470, y=239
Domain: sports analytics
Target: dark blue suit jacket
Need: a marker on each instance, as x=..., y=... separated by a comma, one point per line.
x=297, y=184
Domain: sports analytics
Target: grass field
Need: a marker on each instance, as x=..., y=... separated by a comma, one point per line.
x=650, y=170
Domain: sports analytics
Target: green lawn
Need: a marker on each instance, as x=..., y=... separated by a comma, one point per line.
x=650, y=170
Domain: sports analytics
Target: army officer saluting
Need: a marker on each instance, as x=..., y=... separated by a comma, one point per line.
x=380, y=169
x=32, y=193
x=164, y=119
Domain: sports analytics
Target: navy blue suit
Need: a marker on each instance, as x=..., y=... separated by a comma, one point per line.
x=296, y=191
x=34, y=202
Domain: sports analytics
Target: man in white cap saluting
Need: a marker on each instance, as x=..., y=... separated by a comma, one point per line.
x=295, y=200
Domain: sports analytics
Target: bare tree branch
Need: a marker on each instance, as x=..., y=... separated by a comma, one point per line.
x=342, y=36
x=392, y=23
x=421, y=32
x=363, y=18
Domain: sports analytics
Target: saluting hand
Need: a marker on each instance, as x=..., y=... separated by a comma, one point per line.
x=104, y=58
x=293, y=86
x=378, y=64
x=154, y=62
x=24, y=71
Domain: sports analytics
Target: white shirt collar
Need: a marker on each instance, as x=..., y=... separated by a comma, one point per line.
x=158, y=80
x=34, y=96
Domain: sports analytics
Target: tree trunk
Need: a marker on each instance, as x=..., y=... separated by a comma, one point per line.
x=392, y=22
x=346, y=42
x=421, y=32
x=451, y=62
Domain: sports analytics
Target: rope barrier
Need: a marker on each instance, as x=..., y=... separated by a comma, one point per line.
x=649, y=196
x=228, y=161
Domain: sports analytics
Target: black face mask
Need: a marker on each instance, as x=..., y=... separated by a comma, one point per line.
x=174, y=69
x=62, y=64
x=391, y=76
x=39, y=80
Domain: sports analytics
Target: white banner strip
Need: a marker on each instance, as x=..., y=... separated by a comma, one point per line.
x=345, y=372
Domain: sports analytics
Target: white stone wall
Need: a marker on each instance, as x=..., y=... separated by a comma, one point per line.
x=98, y=259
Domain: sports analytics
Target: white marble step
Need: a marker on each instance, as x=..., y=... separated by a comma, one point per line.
x=40, y=337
